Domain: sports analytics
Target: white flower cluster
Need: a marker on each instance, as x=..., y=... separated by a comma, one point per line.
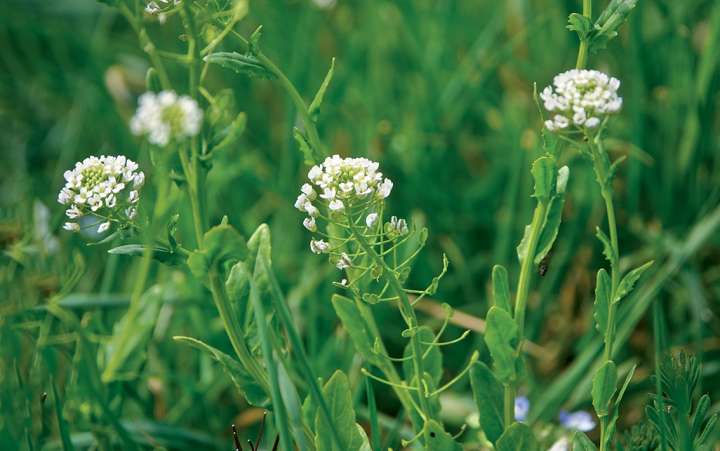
x=105, y=187
x=580, y=98
x=165, y=116
x=339, y=184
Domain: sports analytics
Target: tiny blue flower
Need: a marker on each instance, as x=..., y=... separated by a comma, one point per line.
x=522, y=407
x=579, y=421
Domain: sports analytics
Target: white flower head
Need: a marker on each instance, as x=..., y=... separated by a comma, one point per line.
x=102, y=228
x=165, y=116
x=96, y=187
x=319, y=246
x=580, y=98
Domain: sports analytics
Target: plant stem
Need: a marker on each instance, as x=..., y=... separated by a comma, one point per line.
x=222, y=303
x=297, y=100
x=605, y=181
x=191, y=179
x=509, y=406
x=583, y=50
x=521, y=296
x=147, y=45
x=407, y=312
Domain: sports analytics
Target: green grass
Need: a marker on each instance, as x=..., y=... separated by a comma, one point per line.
x=441, y=93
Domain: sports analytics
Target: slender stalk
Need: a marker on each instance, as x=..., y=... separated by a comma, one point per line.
x=407, y=312
x=509, y=406
x=222, y=303
x=147, y=45
x=297, y=100
x=604, y=181
x=191, y=179
x=521, y=296
x=279, y=410
x=583, y=50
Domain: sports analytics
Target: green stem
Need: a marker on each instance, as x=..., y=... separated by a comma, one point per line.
x=192, y=189
x=521, y=296
x=605, y=181
x=583, y=50
x=147, y=45
x=297, y=100
x=279, y=410
x=222, y=303
x=509, y=406
x=407, y=312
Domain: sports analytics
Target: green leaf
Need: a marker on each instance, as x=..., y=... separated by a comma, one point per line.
x=125, y=351
x=222, y=243
x=253, y=393
x=432, y=363
x=628, y=282
x=615, y=414
x=544, y=173
x=607, y=247
x=355, y=326
x=501, y=338
x=160, y=253
x=517, y=437
x=291, y=400
x=580, y=24
x=314, y=107
x=309, y=157
x=602, y=301
x=488, y=394
x=550, y=228
x=581, y=442
x=338, y=395
x=603, y=387
x=438, y=439
x=501, y=288
x=241, y=63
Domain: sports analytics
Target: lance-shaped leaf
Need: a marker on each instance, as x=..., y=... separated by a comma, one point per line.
x=607, y=247
x=602, y=301
x=160, y=253
x=517, y=437
x=320, y=95
x=501, y=288
x=501, y=339
x=339, y=398
x=553, y=217
x=603, y=387
x=544, y=173
x=353, y=322
x=253, y=392
x=241, y=63
x=220, y=244
x=628, y=282
x=488, y=394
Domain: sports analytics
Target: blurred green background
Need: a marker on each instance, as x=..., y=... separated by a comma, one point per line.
x=441, y=93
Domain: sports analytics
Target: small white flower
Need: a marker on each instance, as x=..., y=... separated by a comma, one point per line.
x=336, y=205
x=592, y=122
x=110, y=201
x=311, y=210
x=343, y=282
x=138, y=179
x=329, y=194
x=165, y=116
x=71, y=226
x=385, y=188
x=309, y=224
x=308, y=191
x=398, y=226
x=315, y=172
x=371, y=219
x=301, y=201
x=343, y=262
x=102, y=228
x=131, y=212
x=319, y=246
x=73, y=212
x=133, y=197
